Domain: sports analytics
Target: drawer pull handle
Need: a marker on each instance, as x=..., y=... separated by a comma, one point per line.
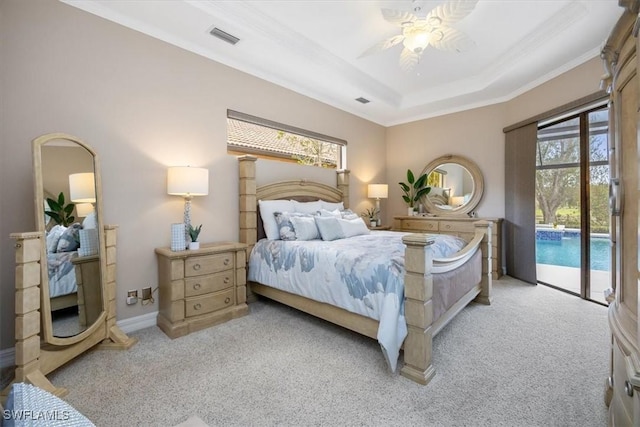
x=197, y=306
x=447, y=226
x=628, y=388
x=226, y=261
x=196, y=286
x=226, y=280
x=196, y=267
x=227, y=300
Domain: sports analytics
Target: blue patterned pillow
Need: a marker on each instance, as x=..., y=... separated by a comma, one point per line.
x=286, y=230
x=70, y=239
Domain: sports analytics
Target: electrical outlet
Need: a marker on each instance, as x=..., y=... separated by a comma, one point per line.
x=146, y=293
x=132, y=297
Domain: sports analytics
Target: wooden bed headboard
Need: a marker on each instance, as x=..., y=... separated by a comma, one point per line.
x=250, y=223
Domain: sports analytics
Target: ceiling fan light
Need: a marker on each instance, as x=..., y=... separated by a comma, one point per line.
x=434, y=21
x=415, y=39
x=436, y=36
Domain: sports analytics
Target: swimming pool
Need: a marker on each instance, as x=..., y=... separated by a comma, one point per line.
x=566, y=252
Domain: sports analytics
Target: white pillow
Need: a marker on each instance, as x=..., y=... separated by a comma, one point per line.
x=333, y=213
x=353, y=227
x=90, y=221
x=332, y=228
x=267, y=209
x=305, y=227
x=329, y=228
x=307, y=207
x=332, y=206
x=349, y=214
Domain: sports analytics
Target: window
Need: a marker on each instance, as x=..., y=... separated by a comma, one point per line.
x=264, y=138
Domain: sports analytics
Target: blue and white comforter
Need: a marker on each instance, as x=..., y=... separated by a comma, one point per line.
x=362, y=274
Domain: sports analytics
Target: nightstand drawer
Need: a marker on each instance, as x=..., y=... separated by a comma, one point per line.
x=201, y=265
x=411, y=225
x=465, y=227
x=207, y=303
x=206, y=284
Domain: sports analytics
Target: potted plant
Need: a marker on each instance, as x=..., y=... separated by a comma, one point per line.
x=194, y=232
x=414, y=189
x=59, y=212
x=372, y=214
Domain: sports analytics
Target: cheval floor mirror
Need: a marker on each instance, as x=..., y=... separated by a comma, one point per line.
x=65, y=274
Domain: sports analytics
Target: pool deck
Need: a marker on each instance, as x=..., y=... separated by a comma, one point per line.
x=569, y=278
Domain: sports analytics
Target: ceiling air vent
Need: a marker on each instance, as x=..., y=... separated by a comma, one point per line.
x=217, y=32
x=363, y=100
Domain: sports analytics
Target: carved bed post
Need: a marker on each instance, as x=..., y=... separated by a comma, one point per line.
x=418, y=310
x=486, y=283
x=248, y=204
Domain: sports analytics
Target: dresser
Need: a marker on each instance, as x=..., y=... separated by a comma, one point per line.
x=457, y=226
x=622, y=391
x=201, y=288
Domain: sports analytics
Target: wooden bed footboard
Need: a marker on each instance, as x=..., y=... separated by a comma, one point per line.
x=418, y=283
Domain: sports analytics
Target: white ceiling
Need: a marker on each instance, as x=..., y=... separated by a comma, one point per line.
x=313, y=47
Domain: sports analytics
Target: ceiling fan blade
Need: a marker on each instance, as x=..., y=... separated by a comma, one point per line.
x=452, y=40
x=383, y=45
x=408, y=60
x=452, y=11
x=398, y=17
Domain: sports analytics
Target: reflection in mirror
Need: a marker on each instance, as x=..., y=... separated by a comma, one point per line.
x=451, y=186
x=72, y=237
x=456, y=186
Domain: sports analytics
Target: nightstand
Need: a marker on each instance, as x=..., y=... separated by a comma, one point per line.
x=380, y=227
x=202, y=287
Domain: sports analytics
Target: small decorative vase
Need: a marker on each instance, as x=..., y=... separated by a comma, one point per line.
x=373, y=223
x=410, y=211
x=194, y=245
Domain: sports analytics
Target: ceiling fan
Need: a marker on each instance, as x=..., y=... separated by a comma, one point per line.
x=417, y=33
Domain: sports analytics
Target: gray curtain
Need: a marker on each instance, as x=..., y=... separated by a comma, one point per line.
x=520, y=196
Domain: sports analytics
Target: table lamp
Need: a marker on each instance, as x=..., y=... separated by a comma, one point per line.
x=187, y=182
x=82, y=187
x=378, y=191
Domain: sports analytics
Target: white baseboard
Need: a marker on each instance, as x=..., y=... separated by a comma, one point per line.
x=132, y=324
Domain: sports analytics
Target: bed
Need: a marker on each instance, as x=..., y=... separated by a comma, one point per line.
x=64, y=251
x=426, y=302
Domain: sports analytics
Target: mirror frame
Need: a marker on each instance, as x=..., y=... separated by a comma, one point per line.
x=45, y=303
x=478, y=186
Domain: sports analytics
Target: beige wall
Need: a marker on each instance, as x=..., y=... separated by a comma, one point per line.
x=477, y=135
x=142, y=105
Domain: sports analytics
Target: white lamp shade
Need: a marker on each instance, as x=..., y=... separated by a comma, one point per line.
x=84, y=209
x=187, y=181
x=378, y=191
x=82, y=187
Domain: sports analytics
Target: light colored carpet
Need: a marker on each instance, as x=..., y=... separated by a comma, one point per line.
x=536, y=357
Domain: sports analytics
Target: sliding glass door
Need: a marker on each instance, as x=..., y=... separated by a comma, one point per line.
x=572, y=216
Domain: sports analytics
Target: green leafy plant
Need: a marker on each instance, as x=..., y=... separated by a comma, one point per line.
x=371, y=213
x=194, y=232
x=414, y=189
x=59, y=212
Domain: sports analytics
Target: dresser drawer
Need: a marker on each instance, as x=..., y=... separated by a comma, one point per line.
x=207, y=264
x=200, y=285
x=459, y=226
x=196, y=306
x=622, y=402
x=419, y=225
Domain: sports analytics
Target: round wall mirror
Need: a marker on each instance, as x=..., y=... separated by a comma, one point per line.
x=456, y=186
